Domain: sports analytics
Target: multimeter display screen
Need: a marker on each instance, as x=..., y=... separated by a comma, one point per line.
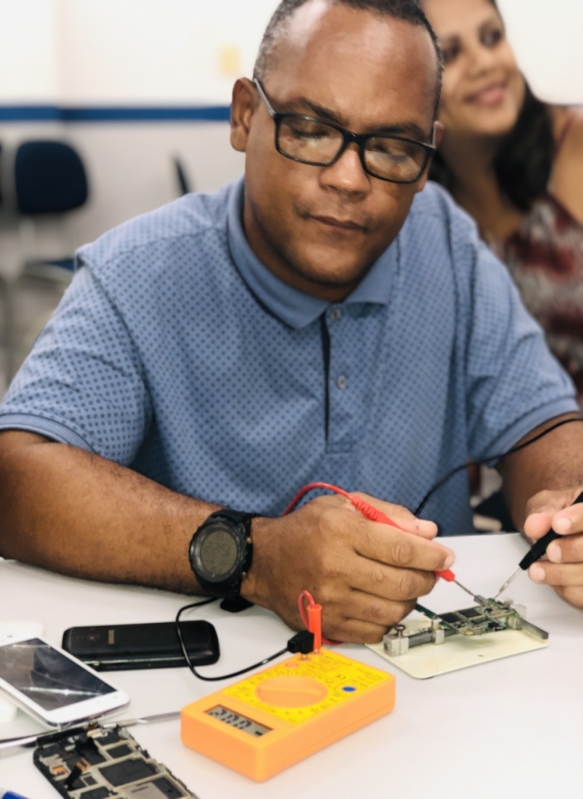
x=238, y=721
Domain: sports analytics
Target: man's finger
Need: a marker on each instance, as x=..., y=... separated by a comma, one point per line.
x=554, y=509
x=568, y=549
x=537, y=525
x=402, y=517
x=355, y=631
x=395, y=548
x=567, y=574
x=569, y=520
x=388, y=582
x=364, y=607
x=573, y=595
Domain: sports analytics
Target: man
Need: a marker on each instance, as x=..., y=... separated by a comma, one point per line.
x=324, y=320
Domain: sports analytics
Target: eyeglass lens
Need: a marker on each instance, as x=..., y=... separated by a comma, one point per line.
x=318, y=144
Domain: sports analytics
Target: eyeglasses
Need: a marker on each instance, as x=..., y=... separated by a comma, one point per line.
x=310, y=141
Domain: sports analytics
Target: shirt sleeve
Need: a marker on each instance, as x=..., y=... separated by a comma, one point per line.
x=513, y=382
x=83, y=382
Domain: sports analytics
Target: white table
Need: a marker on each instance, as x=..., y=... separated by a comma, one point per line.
x=513, y=728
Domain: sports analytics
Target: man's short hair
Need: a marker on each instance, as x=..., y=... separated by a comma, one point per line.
x=407, y=10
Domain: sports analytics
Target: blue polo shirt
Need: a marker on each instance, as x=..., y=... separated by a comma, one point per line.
x=175, y=352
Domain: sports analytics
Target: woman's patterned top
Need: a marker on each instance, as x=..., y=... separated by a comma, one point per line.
x=545, y=258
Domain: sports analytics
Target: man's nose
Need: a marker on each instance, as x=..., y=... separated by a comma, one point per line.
x=347, y=174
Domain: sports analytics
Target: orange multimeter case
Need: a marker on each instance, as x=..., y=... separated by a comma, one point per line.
x=271, y=720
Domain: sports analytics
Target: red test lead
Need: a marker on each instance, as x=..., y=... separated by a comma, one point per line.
x=313, y=620
x=374, y=515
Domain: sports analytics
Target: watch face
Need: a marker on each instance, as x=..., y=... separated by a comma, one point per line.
x=218, y=554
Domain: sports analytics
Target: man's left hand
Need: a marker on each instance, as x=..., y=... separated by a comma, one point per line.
x=563, y=566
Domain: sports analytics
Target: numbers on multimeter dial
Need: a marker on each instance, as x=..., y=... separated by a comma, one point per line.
x=237, y=721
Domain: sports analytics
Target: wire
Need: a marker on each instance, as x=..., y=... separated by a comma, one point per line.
x=311, y=487
x=223, y=676
x=465, y=465
x=371, y=513
x=368, y=510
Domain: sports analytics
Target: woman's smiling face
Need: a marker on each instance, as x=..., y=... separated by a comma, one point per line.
x=483, y=89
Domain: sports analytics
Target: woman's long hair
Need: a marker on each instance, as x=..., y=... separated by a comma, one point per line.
x=525, y=158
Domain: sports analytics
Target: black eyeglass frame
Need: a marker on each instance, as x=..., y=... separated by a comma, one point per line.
x=360, y=139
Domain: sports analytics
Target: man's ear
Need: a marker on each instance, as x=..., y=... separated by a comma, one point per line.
x=243, y=105
x=437, y=137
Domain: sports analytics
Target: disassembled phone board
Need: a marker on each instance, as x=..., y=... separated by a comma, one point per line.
x=105, y=764
x=437, y=644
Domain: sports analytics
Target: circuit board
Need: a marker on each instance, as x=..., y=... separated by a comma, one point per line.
x=105, y=764
x=490, y=616
x=438, y=644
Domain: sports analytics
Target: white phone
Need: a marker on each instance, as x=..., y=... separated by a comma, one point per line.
x=53, y=685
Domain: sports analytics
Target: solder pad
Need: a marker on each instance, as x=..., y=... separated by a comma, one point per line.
x=459, y=651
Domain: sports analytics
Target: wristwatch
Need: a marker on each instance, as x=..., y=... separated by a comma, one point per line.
x=220, y=555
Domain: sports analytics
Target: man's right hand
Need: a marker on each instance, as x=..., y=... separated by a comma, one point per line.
x=366, y=575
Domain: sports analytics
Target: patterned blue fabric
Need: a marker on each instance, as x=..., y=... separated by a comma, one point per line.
x=177, y=353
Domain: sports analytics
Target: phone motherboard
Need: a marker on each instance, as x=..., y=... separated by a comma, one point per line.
x=103, y=763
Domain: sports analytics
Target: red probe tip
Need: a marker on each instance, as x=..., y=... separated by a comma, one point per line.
x=447, y=575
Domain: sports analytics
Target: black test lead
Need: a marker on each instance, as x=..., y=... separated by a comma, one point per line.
x=535, y=552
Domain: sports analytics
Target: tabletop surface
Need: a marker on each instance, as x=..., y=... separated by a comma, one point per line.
x=505, y=729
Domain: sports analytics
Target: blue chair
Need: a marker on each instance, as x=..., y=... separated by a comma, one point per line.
x=49, y=178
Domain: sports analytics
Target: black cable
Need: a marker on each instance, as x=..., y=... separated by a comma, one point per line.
x=301, y=642
x=465, y=465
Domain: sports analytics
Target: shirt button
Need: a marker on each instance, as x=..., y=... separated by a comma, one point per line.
x=342, y=381
x=335, y=314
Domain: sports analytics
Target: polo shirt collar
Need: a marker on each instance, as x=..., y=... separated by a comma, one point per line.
x=292, y=306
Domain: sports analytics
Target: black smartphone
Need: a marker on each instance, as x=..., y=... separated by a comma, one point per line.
x=117, y=647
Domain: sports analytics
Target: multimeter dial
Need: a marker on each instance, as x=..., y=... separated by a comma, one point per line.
x=278, y=716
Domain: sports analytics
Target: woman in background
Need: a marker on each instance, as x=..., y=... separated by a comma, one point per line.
x=516, y=166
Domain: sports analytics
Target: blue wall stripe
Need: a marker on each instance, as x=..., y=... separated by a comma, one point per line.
x=29, y=113
x=50, y=113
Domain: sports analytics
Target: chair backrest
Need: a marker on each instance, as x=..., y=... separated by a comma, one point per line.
x=49, y=178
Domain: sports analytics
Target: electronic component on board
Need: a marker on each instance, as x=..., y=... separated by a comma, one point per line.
x=441, y=643
x=490, y=616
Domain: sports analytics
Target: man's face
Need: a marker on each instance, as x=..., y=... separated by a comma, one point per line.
x=321, y=228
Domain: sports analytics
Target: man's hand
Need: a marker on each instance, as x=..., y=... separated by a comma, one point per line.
x=366, y=575
x=563, y=566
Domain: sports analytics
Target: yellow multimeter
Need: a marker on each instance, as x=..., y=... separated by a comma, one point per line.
x=267, y=722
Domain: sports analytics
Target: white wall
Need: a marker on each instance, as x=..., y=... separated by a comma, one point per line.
x=128, y=52
x=547, y=38
x=28, y=44
x=157, y=51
